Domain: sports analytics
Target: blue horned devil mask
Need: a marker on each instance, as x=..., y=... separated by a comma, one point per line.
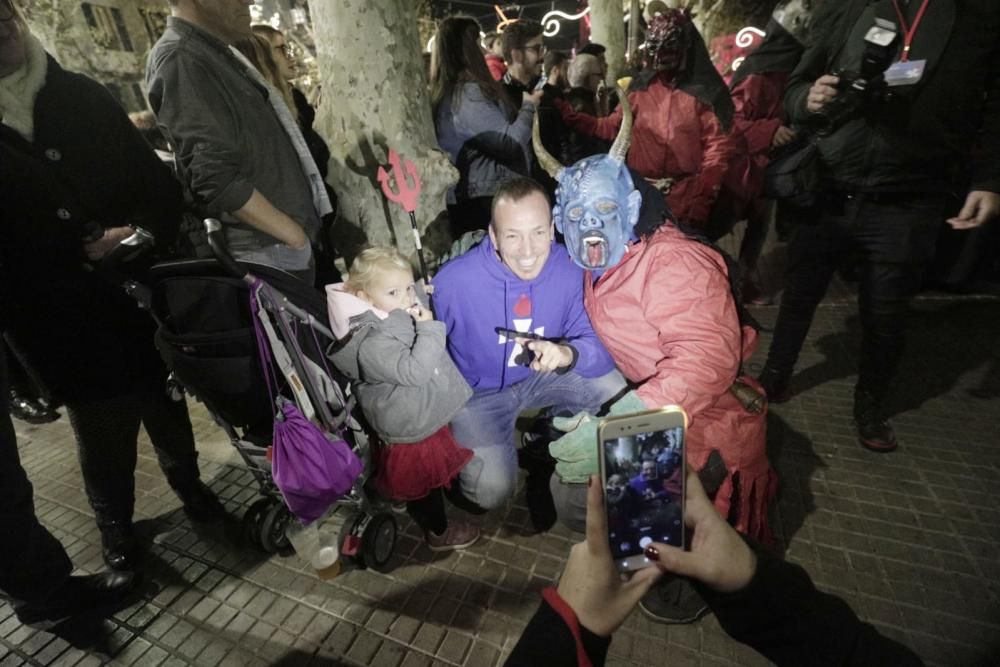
x=597, y=204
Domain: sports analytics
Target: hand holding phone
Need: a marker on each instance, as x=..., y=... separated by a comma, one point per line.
x=719, y=558
x=590, y=585
x=642, y=463
x=541, y=353
x=548, y=356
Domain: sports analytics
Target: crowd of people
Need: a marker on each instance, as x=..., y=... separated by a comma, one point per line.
x=597, y=288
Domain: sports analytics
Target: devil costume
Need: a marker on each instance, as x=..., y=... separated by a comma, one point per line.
x=756, y=90
x=682, y=115
x=664, y=308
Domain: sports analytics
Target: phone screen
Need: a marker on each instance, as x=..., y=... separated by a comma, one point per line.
x=644, y=490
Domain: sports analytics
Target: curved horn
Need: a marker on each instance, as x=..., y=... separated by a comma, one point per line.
x=549, y=163
x=620, y=148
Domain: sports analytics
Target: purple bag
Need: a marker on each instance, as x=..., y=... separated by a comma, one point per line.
x=310, y=468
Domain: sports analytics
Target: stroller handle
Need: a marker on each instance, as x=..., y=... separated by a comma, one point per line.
x=128, y=249
x=119, y=264
x=217, y=242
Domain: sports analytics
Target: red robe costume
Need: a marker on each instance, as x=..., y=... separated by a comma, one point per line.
x=496, y=66
x=667, y=316
x=758, y=111
x=758, y=115
x=674, y=135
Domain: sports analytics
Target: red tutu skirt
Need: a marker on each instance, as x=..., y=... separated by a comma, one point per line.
x=410, y=471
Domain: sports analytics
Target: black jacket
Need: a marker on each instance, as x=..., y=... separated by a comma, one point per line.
x=780, y=614
x=317, y=147
x=87, y=164
x=945, y=131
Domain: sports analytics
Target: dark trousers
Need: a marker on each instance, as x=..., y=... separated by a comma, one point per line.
x=894, y=236
x=469, y=215
x=106, y=432
x=429, y=512
x=20, y=377
x=32, y=562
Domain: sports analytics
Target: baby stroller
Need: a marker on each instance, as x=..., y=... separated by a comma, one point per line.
x=206, y=336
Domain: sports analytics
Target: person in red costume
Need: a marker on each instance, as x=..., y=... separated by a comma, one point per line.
x=760, y=127
x=682, y=111
x=661, y=299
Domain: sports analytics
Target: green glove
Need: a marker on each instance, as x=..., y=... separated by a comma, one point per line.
x=576, y=452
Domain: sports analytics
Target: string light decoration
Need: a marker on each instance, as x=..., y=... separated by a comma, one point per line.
x=552, y=23
x=745, y=38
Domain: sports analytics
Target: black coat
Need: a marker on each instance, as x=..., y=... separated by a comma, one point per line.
x=942, y=131
x=87, y=163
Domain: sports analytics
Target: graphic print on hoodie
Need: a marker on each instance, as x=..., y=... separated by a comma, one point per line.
x=521, y=319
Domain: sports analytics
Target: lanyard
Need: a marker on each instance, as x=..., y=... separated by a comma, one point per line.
x=911, y=30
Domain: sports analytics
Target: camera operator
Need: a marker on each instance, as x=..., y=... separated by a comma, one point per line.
x=891, y=147
x=759, y=599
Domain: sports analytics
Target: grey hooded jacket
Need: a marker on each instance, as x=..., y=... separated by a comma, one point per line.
x=404, y=379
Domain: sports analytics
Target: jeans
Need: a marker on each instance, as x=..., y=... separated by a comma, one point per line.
x=571, y=503
x=32, y=562
x=299, y=263
x=486, y=426
x=895, y=236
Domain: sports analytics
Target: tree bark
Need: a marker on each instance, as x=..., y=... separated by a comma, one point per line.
x=633, y=29
x=607, y=27
x=374, y=98
x=724, y=17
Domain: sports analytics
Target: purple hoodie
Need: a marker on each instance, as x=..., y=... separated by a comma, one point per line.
x=476, y=292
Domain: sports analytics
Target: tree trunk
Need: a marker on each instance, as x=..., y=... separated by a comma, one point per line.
x=634, y=13
x=725, y=17
x=607, y=27
x=375, y=98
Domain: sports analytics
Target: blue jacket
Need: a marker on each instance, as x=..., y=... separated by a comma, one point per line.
x=476, y=292
x=486, y=148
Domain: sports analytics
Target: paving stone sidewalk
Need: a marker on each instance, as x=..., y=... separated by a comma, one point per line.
x=911, y=540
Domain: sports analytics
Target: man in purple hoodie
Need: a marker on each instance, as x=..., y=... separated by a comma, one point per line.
x=519, y=278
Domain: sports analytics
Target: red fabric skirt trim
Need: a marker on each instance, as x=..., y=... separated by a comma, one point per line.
x=410, y=471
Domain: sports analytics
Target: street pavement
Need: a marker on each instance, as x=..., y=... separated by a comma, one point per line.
x=910, y=539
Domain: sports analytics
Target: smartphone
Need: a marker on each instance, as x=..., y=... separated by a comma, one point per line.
x=511, y=334
x=642, y=461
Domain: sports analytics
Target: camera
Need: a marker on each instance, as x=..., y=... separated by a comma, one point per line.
x=861, y=92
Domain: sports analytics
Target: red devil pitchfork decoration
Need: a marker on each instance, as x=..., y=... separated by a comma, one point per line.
x=407, y=193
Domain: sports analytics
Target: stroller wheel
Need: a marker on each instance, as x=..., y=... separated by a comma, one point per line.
x=272, y=530
x=253, y=518
x=378, y=541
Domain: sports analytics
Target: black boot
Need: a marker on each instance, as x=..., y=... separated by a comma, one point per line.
x=673, y=600
x=30, y=410
x=200, y=503
x=875, y=433
x=777, y=384
x=91, y=595
x=119, y=546
x=534, y=457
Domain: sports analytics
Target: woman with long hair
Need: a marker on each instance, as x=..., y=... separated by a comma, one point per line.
x=268, y=50
x=487, y=138
x=258, y=51
x=284, y=70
